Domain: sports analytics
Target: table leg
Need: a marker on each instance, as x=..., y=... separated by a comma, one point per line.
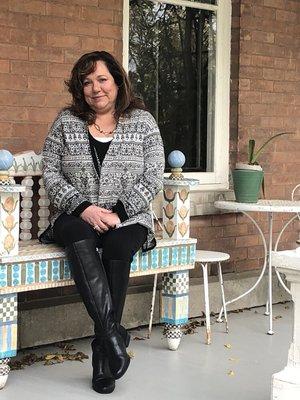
x=174, y=305
x=206, y=302
x=270, y=218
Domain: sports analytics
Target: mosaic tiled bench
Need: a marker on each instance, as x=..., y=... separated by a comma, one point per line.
x=29, y=265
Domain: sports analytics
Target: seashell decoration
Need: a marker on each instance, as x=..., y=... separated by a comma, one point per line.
x=169, y=211
x=170, y=228
x=9, y=204
x=183, y=228
x=183, y=212
x=9, y=243
x=169, y=194
x=9, y=223
x=183, y=194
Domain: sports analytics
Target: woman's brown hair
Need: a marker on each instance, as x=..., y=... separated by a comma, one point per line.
x=126, y=100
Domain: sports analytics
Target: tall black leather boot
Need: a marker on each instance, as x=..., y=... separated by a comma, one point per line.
x=102, y=382
x=90, y=278
x=117, y=272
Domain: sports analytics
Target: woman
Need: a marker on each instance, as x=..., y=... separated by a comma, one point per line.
x=103, y=163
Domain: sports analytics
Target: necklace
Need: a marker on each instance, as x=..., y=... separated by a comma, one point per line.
x=106, y=133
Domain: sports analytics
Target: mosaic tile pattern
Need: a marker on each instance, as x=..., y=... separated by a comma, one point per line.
x=57, y=270
x=8, y=325
x=175, y=297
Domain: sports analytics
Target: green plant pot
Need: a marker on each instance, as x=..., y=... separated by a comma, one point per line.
x=247, y=184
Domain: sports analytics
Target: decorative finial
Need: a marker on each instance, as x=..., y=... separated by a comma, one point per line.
x=6, y=162
x=176, y=160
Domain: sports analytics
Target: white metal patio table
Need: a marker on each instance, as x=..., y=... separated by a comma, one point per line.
x=270, y=207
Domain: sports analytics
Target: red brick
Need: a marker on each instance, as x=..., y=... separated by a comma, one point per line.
x=293, y=5
x=57, y=40
x=46, y=54
x=255, y=252
x=4, y=34
x=4, y=66
x=79, y=2
x=110, y=31
x=286, y=87
x=13, y=114
x=29, y=130
x=235, y=230
x=13, y=82
x=12, y=51
x=291, y=76
x=246, y=265
x=264, y=12
x=111, y=4
x=4, y=5
x=28, y=38
x=28, y=68
x=22, y=99
x=287, y=16
x=273, y=74
x=71, y=55
x=284, y=63
x=14, y=20
x=224, y=219
x=250, y=72
x=65, y=11
x=244, y=84
x=275, y=3
x=262, y=61
x=260, y=86
x=249, y=96
x=45, y=84
x=42, y=114
x=272, y=122
x=90, y=44
x=59, y=70
x=238, y=254
x=57, y=100
x=27, y=6
x=82, y=28
x=6, y=131
x=46, y=23
x=118, y=18
x=96, y=14
x=265, y=49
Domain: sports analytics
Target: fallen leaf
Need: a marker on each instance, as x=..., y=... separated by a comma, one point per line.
x=233, y=359
x=227, y=345
x=277, y=317
x=139, y=338
x=130, y=353
x=230, y=373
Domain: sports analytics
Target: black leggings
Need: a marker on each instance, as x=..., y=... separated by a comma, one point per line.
x=117, y=244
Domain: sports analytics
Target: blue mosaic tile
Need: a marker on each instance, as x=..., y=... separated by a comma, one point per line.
x=16, y=274
x=183, y=256
x=29, y=273
x=154, y=258
x=3, y=275
x=43, y=269
x=174, y=255
x=134, y=264
x=144, y=261
x=192, y=253
x=165, y=257
x=55, y=270
x=67, y=272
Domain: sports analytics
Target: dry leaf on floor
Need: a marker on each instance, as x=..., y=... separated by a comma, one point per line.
x=233, y=359
x=277, y=317
x=130, y=353
x=139, y=338
x=227, y=345
x=230, y=373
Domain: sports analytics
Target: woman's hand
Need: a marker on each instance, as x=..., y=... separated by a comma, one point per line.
x=95, y=216
x=111, y=220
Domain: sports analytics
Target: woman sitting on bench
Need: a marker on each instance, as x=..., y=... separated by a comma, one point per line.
x=103, y=164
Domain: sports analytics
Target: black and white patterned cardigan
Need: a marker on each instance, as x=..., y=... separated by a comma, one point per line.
x=132, y=170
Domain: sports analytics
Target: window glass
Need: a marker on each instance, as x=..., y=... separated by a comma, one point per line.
x=172, y=53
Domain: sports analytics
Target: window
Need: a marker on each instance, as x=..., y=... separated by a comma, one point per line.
x=177, y=56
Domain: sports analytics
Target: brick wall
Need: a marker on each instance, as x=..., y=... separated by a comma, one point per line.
x=265, y=99
x=39, y=42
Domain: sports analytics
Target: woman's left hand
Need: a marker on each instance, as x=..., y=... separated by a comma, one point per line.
x=110, y=219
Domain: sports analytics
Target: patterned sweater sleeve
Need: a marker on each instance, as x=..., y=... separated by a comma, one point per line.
x=138, y=198
x=61, y=193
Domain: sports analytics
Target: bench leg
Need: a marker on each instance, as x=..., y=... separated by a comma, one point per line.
x=8, y=333
x=175, y=303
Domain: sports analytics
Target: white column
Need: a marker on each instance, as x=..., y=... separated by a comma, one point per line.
x=286, y=383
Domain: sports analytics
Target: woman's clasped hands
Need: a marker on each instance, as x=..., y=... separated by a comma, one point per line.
x=100, y=218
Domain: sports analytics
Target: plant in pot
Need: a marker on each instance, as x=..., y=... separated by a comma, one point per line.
x=249, y=178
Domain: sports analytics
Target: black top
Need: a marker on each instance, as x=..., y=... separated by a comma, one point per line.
x=99, y=149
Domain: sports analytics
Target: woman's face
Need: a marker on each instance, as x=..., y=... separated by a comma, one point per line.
x=100, y=90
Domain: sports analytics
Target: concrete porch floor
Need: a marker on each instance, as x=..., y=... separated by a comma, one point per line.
x=195, y=371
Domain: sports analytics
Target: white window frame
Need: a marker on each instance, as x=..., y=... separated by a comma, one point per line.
x=219, y=179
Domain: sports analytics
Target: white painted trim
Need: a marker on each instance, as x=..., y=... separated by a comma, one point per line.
x=219, y=178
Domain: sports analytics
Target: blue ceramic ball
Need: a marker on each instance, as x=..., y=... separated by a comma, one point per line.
x=176, y=159
x=6, y=160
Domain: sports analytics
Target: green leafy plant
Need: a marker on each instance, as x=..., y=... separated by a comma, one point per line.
x=254, y=155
